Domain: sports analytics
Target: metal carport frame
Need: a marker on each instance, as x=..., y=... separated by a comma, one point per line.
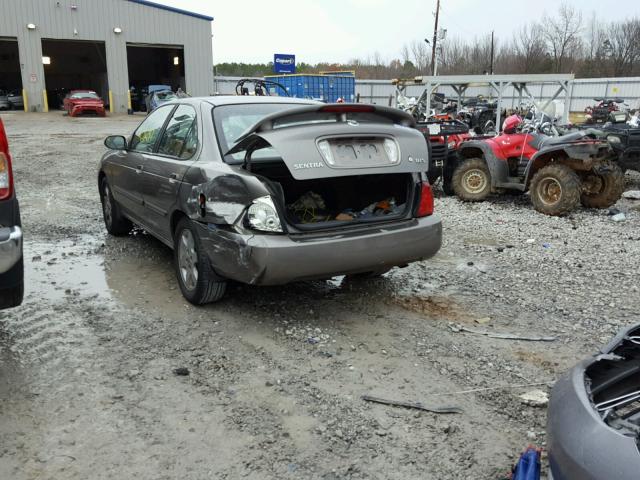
x=460, y=83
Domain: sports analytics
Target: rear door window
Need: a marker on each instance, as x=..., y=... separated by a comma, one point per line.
x=145, y=137
x=180, y=138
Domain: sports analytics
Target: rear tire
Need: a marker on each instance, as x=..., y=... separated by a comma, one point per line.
x=602, y=191
x=116, y=223
x=198, y=282
x=471, y=180
x=555, y=190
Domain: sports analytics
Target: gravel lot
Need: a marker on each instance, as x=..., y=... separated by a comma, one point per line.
x=88, y=388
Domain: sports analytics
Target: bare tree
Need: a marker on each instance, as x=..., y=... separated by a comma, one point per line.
x=562, y=35
x=421, y=56
x=530, y=49
x=623, y=46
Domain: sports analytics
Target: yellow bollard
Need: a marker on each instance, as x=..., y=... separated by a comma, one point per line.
x=25, y=100
x=110, y=102
x=45, y=100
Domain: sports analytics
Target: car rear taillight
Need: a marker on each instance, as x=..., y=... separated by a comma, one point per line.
x=425, y=207
x=6, y=178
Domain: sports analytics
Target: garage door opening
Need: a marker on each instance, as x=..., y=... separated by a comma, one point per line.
x=10, y=77
x=153, y=65
x=74, y=65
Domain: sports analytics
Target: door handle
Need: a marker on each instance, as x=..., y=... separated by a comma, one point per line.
x=173, y=178
x=139, y=169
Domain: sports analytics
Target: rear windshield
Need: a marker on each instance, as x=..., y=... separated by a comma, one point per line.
x=231, y=121
x=166, y=96
x=85, y=95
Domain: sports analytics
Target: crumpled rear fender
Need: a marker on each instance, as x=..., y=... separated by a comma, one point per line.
x=226, y=196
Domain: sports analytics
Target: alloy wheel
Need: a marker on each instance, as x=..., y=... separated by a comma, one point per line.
x=188, y=260
x=106, y=205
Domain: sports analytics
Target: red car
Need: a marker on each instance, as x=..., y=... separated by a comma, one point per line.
x=11, y=264
x=78, y=102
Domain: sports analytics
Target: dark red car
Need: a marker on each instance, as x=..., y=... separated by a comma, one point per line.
x=78, y=102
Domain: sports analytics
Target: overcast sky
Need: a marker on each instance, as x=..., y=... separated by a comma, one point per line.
x=338, y=30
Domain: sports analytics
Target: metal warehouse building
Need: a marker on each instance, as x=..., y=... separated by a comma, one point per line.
x=48, y=47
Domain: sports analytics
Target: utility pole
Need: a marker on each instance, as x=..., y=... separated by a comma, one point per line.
x=435, y=40
x=491, y=66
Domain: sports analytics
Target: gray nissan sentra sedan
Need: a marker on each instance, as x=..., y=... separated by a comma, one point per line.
x=270, y=190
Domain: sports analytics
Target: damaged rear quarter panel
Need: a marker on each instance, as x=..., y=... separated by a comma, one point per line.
x=227, y=195
x=228, y=189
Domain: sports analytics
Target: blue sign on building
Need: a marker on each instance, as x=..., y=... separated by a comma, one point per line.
x=283, y=63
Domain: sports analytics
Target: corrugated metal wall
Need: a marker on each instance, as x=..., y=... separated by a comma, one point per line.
x=95, y=20
x=381, y=92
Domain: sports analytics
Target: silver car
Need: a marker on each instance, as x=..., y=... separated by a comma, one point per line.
x=594, y=415
x=4, y=101
x=268, y=190
x=15, y=100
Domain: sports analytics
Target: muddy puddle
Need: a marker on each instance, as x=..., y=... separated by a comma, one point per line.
x=54, y=270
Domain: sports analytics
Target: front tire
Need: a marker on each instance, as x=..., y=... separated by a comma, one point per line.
x=471, y=180
x=198, y=282
x=555, y=190
x=116, y=223
x=602, y=191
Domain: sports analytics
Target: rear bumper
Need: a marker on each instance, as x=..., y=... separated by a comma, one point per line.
x=278, y=259
x=10, y=247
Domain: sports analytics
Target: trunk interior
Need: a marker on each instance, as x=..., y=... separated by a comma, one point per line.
x=338, y=201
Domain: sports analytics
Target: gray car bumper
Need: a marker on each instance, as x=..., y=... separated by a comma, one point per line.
x=278, y=259
x=581, y=445
x=10, y=247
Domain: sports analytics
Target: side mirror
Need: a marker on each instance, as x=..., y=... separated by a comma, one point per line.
x=115, y=142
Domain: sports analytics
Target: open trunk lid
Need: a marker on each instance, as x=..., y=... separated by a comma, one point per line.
x=323, y=141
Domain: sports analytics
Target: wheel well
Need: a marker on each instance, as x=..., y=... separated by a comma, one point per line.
x=101, y=175
x=543, y=161
x=175, y=218
x=471, y=152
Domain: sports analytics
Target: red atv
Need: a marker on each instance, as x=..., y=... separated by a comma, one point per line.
x=559, y=172
x=601, y=112
x=444, y=136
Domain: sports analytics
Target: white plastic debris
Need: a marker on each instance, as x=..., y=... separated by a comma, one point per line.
x=535, y=398
x=632, y=194
x=619, y=217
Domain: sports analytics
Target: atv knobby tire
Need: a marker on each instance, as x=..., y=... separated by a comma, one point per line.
x=603, y=190
x=555, y=190
x=471, y=180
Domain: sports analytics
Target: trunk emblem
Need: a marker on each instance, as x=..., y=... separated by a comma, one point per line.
x=302, y=166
